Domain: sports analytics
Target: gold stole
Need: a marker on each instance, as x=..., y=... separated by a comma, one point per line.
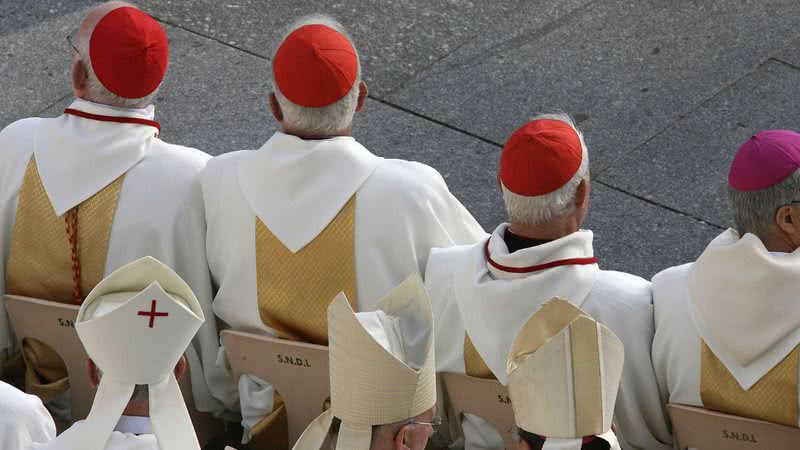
x=474, y=365
x=40, y=264
x=773, y=398
x=294, y=290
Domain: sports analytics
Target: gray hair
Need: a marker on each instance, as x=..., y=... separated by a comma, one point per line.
x=541, y=209
x=331, y=119
x=754, y=211
x=99, y=94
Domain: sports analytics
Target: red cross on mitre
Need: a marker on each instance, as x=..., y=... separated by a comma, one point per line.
x=152, y=313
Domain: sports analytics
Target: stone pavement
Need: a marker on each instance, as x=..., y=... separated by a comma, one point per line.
x=665, y=91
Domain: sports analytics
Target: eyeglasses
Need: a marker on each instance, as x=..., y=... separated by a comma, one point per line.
x=435, y=423
x=71, y=38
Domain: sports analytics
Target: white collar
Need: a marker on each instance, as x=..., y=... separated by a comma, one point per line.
x=296, y=187
x=494, y=304
x=134, y=425
x=573, y=247
x=743, y=301
x=78, y=157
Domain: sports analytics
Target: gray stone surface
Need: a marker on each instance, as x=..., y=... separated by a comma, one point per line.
x=686, y=167
x=627, y=68
x=790, y=54
x=633, y=236
x=18, y=14
x=397, y=39
x=34, y=64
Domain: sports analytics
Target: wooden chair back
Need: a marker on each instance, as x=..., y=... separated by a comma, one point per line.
x=487, y=399
x=701, y=429
x=297, y=370
x=54, y=324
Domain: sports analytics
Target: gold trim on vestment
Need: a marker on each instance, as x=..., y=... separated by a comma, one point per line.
x=40, y=262
x=586, y=376
x=474, y=364
x=773, y=398
x=294, y=290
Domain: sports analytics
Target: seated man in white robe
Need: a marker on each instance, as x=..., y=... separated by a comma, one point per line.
x=728, y=324
x=563, y=375
x=135, y=325
x=382, y=375
x=314, y=213
x=483, y=293
x=87, y=192
x=23, y=419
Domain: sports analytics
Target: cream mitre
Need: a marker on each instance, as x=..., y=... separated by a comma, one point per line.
x=381, y=366
x=563, y=371
x=135, y=325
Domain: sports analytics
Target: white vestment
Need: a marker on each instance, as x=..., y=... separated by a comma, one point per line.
x=738, y=297
x=159, y=212
x=131, y=433
x=296, y=187
x=23, y=419
x=470, y=295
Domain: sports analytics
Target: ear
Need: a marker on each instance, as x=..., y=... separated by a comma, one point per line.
x=787, y=219
x=80, y=78
x=362, y=96
x=91, y=370
x=522, y=445
x=180, y=368
x=403, y=438
x=582, y=194
x=275, y=107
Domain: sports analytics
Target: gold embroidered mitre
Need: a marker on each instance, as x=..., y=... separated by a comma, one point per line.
x=563, y=371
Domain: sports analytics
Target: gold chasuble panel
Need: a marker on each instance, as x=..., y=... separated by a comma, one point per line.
x=40, y=263
x=474, y=364
x=773, y=398
x=40, y=259
x=294, y=289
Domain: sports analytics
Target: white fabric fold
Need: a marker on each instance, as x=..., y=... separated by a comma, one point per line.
x=483, y=281
x=170, y=418
x=72, y=170
x=739, y=296
x=296, y=187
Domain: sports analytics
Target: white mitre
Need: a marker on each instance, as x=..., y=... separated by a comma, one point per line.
x=135, y=325
x=563, y=372
x=382, y=366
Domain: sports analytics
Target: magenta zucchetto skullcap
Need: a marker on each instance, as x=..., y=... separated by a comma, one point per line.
x=765, y=160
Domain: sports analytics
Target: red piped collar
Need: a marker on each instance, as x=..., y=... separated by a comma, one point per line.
x=538, y=267
x=116, y=119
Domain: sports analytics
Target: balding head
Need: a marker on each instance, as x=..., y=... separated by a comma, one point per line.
x=85, y=83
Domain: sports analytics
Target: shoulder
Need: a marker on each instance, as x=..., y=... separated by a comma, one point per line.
x=18, y=138
x=671, y=275
x=624, y=286
x=223, y=164
x=191, y=160
x=27, y=411
x=406, y=179
x=20, y=128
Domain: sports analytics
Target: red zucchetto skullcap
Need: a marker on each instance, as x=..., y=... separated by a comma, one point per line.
x=315, y=66
x=129, y=52
x=765, y=160
x=540, y=157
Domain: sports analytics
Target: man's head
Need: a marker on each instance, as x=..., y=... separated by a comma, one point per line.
x=544, y=176
x=411, y=434
x=121, y=58
x=316, y=78
x=764, y=186
x=139, y=404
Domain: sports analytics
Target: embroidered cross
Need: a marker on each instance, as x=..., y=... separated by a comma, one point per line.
x=152, y=313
